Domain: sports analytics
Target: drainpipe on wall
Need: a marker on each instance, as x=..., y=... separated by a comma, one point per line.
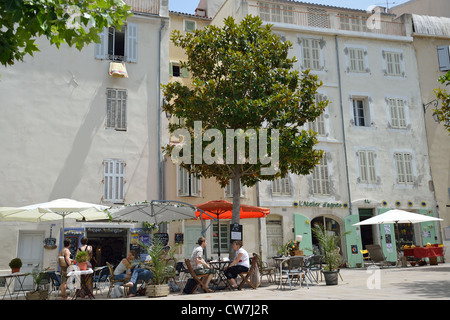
x=160, y=180
x=343, y=128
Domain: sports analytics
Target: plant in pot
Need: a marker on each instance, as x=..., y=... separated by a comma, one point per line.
x=329, y=245
x=82, y=259
x=40, y=277
x=15, y=265
x=159, y=267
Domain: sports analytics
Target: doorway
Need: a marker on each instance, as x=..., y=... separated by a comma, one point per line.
x=30, y=251
x=366, y=230
x=108, y=244
x=274, y=235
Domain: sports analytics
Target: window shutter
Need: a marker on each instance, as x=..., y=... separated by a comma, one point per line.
x=121, y=113
x=111, y=108
x=362, y=166
x=183, y=181
x=101, y=48
x=371, y=166
x=195, y=186
x=131, y=39
x=114, y=180
x=170, y=69
x=184, y=73
x=444, y=58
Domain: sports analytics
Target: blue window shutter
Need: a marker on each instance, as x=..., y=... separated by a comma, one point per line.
x=131, y=42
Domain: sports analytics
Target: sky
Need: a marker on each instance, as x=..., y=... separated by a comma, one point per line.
x=189, y=6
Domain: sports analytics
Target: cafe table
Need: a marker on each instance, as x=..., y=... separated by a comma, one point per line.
x=84, y=277
x=279, y=265
x=219, y=266
x=9, y=279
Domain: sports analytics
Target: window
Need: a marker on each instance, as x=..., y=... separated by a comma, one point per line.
x=366, y=161
x=189, y=25
x=393, y=63
x=320, y=178
x=444, y=58
x=397, y=110
x=275, y=12
x=116, y=109
x=118, y=45
x=403, y=163
x=318, y=125
x=175, y=70
x=224, y=237
x=281, y=186
x=353, y=23
x=114, y=180
x=361, y=112
x=229, y=190
x=311, y=54
x=356, y=60
x=188, y=184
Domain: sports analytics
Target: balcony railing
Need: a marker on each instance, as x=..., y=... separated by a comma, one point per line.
x=145, y=6
x=321, y=18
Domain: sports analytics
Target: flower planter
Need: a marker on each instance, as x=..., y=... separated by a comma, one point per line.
x=15, y=270
x=37, y=295
x=331, y=277
x=82, y=265
x=157, y=290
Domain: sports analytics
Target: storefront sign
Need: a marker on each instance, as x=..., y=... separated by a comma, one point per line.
x=320, y=204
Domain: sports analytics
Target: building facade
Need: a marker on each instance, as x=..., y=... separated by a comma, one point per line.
x=72, y=128
x=372, y=132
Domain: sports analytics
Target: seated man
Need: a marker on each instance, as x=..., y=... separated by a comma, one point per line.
x=199, y=264
x=125, y=270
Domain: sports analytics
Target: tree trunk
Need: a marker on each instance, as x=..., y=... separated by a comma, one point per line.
x=236, y=217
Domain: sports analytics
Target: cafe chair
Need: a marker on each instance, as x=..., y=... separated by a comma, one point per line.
x=101, y=278
x=294, y=272
x=197, y=278
x=182, y=272
x=246, y=275
x=113, y=281
x=366, y=256
x=313, y=264
x=265, y=270
x=55, y=279
x=376, y=255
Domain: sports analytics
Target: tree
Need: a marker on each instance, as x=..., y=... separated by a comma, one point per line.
x=443, y=112
x=76, y=23
x=243, y=87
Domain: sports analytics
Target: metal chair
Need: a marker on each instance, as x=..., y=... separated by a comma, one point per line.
x=265, y=270
x=313, y=264
x=101, y=278
x=376, y=254
x=295, y=271
x=55, y=279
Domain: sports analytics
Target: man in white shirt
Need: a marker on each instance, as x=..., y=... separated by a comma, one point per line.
x=199, y=264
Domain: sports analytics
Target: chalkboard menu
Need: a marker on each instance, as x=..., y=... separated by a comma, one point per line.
x=163, y=237
x=179, y=238
x=235, y=232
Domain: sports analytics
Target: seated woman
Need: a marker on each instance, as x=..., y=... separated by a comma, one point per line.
x=240, y=264
x=126, y=271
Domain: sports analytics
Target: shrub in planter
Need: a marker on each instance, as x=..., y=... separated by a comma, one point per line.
x=82, y=258
x=15, y=265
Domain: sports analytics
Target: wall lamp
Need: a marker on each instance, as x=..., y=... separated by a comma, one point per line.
x=435, y=104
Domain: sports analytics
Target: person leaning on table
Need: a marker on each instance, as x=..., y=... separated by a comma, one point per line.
x=65, y=255
x=240, y=264
x=199, y=264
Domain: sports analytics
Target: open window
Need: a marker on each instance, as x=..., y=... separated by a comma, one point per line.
x=118, y=45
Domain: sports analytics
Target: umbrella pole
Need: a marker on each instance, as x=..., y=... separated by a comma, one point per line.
x=218, y=234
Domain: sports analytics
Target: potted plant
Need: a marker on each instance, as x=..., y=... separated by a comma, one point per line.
x=332, y=258
x=159, y=268
x=82, y=258
x=38, y=280
x=15, y=265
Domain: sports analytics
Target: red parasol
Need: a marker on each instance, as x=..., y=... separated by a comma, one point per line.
x=224, y=209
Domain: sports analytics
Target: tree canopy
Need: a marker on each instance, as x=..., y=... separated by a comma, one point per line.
x=244, y=81
x=443, y=112
x=76, y=23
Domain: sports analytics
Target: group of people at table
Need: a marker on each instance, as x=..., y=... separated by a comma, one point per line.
x=127, y=270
